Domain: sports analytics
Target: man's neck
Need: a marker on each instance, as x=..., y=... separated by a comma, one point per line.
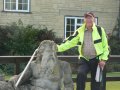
x=89, y=28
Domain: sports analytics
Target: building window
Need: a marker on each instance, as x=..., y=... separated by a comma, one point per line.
x=16, y=5
x=72, y=24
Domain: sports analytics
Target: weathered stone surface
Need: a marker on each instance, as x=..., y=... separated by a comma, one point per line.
x=5, y=86
x=46, y=72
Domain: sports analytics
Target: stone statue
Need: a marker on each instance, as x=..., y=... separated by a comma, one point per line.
x=46, y=72
x=6, y=86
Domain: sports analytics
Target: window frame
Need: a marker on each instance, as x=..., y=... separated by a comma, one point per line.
x=16, y=10
x=76, y=18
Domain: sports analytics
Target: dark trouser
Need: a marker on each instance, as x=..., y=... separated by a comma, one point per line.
x=84, y=68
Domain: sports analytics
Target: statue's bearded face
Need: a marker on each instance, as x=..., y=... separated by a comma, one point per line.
x=47, y=53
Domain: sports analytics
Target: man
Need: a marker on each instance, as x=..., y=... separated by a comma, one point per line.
x=93, y=50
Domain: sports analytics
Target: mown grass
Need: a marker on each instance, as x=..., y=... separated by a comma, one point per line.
x=111, y=85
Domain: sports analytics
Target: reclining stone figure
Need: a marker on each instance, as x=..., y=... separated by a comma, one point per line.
x=46, y=72
x=6, y=86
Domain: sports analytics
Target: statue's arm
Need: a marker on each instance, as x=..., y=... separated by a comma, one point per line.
x=68, y=82
x=24, y=79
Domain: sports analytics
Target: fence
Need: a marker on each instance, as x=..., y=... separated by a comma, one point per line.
x=17, y=60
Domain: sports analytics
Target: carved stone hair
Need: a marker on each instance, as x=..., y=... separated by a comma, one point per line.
x=53, y=46
x=51, y=43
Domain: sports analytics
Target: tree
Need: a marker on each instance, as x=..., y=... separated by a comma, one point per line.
x=115, y=38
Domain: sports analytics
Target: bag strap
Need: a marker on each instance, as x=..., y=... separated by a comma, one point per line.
x=99, y=31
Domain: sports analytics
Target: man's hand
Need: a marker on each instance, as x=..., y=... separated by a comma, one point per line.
x=102, y=64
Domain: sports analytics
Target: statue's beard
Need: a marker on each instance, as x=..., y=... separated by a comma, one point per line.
x=47, y=64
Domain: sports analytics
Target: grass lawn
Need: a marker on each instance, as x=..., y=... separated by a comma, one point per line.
x=113, y=85
x=110, y=85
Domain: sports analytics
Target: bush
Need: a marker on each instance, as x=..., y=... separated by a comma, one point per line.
x=17, y=39
x=115, y=38
x=5, y=37
x=114, y=45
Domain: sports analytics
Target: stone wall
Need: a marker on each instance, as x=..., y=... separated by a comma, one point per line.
x=52, y=12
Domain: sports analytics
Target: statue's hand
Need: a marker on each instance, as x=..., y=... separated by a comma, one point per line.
x=13, y=80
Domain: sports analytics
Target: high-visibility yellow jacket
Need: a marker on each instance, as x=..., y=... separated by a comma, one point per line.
x=100, y=42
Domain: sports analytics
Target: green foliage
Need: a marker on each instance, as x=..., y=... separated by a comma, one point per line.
x=115, y=38
x=5, y=37
x=114, y=43
x=17, y=39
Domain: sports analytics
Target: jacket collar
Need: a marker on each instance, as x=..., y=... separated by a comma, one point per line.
x=95, y=34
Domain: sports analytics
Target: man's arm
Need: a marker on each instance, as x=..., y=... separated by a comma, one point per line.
x=69, y=43
x=105, y=54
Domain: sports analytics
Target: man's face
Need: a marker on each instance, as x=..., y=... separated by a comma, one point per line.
x=89, y=21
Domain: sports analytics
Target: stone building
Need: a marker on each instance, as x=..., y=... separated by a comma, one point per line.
x=63, y=16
